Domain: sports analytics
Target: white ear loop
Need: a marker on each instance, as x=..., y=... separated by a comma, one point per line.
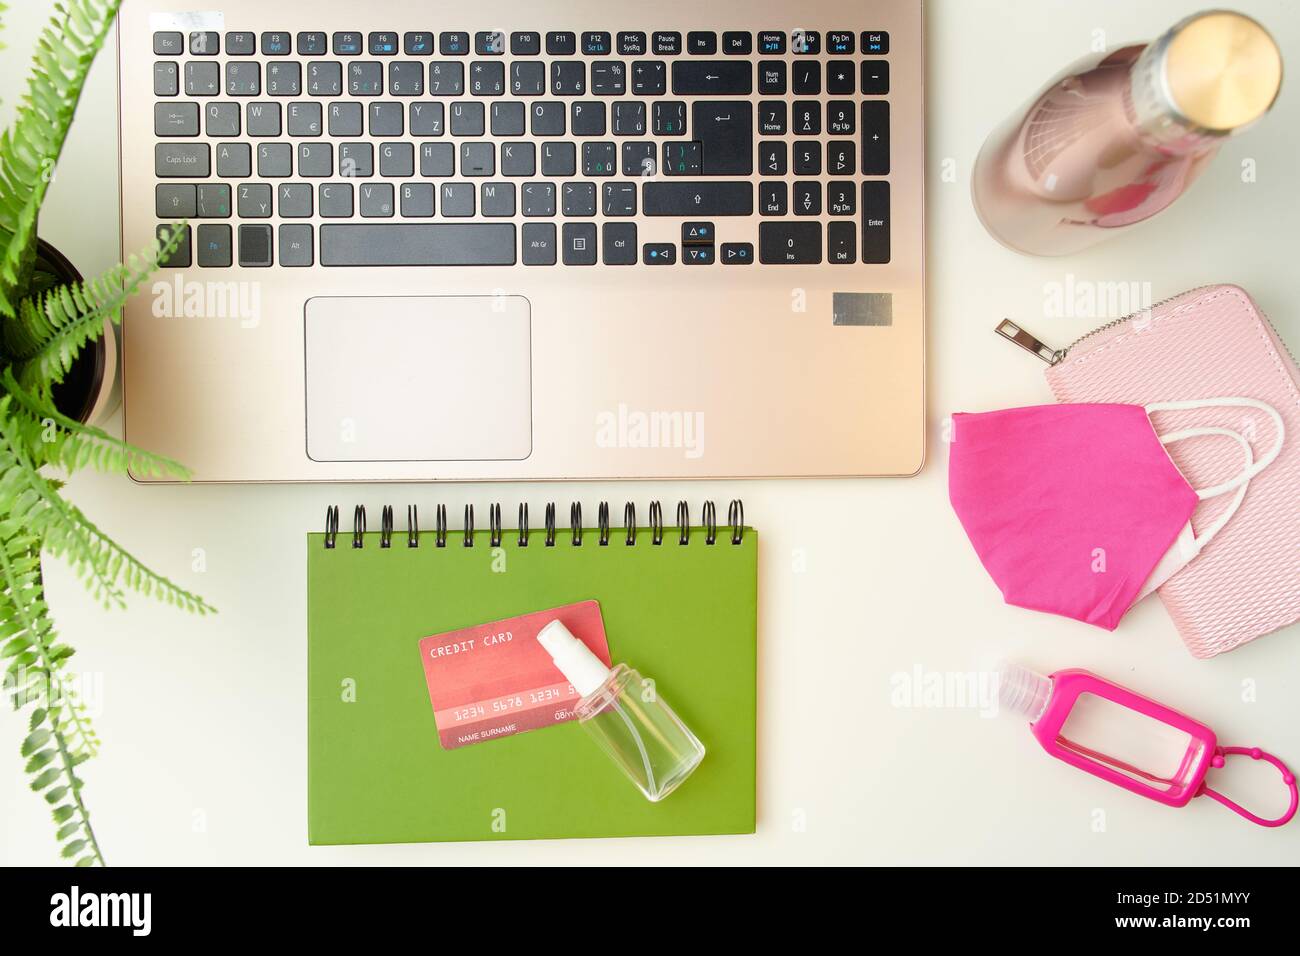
x=1252, y=468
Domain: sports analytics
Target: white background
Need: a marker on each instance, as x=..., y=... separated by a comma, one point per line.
x=204, y=720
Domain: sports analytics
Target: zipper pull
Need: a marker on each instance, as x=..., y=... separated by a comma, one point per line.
x=1009, y=330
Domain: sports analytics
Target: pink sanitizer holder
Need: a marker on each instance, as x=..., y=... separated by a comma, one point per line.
x=1125, y=738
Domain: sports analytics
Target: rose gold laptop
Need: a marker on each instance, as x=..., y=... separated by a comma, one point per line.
x=428, y=240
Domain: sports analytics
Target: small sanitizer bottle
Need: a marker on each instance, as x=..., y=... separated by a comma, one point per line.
x=626, y=716
x=1125, y=738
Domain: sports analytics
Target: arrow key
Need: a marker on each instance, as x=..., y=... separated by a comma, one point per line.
x=737, y=253
x=698, y=233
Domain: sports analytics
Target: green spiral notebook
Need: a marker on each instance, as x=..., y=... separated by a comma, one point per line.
x=682, y=611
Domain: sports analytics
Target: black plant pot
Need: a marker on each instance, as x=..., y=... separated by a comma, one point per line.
x=88, y=392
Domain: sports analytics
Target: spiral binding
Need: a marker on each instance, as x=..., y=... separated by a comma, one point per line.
x=496, y=532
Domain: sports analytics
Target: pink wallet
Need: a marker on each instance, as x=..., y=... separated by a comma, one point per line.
x=1207, y=343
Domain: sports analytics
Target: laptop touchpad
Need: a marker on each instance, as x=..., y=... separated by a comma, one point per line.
x=419, y=378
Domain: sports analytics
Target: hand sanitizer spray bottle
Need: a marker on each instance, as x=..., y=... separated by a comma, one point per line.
x=1130, y=740
x=625, y=715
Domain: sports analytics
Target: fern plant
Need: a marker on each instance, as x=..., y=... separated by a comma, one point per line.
x=44, y=325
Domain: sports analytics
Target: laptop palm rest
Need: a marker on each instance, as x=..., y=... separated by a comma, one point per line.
x=401, y=378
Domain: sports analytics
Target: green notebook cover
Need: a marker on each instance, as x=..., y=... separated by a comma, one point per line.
x=684, y=615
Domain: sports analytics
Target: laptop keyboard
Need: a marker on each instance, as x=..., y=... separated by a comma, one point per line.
x=541, y=148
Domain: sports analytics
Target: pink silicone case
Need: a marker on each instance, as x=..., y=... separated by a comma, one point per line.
x=1067, y=685
x=1208, y=343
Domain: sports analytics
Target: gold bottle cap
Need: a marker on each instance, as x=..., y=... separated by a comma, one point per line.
x=1222, y=70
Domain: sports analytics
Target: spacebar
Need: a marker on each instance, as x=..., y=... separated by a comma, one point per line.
x=698, y=198
x=418, y=244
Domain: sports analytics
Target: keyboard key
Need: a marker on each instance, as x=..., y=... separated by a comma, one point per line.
x=274, y=160
x=296, y=246
x=316, y=160
x=525, y=44
x=805, y=42
x=243, y=78
x=527, y=77
x=840, y=119
x=579, y=243
x=875, y=77
x=255, y=246
x=347, y=44
x=487, y=78
x=842, y=243
x=790, y=243
x=518, y=159
x=255, y=201
x=807, y=77
x=772, y=118
x=618, y=244
x=658, y=253
x=284, y=79
x=175, y=201
x=347, y=119
x=807, y=198
x=841, y=77
x=875, y=43
x=697, y=233
x=215, y=246
x=698, y=256
x=578, y=200
x=640, y=159
x=176, y=119
x=619, y=200
x=406, y=78
x=457, y=200
x=773, y=198
x=547, y=119
x=559, y=159
x=417, y=200
x=561, y=44
x=335, y=200
x=667, y=43
x=712, y=78
x=702, y=43
x=312, y=44
x=588, y=119
x=771, y=77
x=875, y=221
x=683, y=158
x=737, y=43
x=497, y=200
x=698, y=198
x=599, y=159
x=477, y=159
x=807, y=157
x=377, y=201
x=264, y=119
x=294, y=200
x=418, y=244
x=166, y=79
x=489, y=43
x=234, y=160
x=417, y=44
x=840, y=157
x=841, y=198
x=669, y=118
x=214, y=201
x=306, y=119
x=737, y=253
x=205, y=43
x=631, y=44
x=222, y=119
x=649, y=78
x=539, y=244
x=446, y=79
x=168, y=43
x=840, y=43
x=608, y=78
x=467, y=119
x=366, y=78
x=356, y=160
x=437, y=159
x=276, y=44
x=597, y=44
x=507, y=119
x=773, y=159
x=176, y=160
x=204, y=79
x=568, y=77
x=539, y=199
x=241, y=44
x=875, y=139
x=628, y=119
x=453, y=43
x=726, y=131
x=181, y=256
x=389, y=119
x=807, y=117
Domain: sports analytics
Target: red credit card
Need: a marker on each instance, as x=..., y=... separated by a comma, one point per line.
x=495, y=679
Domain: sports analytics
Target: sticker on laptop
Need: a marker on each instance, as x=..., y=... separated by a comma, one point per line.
x=495, y=680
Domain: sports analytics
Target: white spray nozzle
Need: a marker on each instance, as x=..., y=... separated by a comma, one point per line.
x=1022, y=691
x=580, y=667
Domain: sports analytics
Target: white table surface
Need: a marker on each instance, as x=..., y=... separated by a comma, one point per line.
x=204, y=720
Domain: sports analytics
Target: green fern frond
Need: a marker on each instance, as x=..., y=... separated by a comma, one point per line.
x=51, y=437
x=32, y=146
x=59, y=737
x=51, y=329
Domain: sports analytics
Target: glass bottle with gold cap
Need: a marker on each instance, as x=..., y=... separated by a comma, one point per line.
x=1119, y=136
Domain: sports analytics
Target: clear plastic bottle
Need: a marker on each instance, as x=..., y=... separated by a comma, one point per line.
x=1117, y=137
x=626, y=716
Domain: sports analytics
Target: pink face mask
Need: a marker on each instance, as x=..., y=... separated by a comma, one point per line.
x=1078, y=510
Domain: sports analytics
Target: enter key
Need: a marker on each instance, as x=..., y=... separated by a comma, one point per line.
x=726, y=131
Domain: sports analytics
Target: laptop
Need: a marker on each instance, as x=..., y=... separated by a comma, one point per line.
x=498, y=241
